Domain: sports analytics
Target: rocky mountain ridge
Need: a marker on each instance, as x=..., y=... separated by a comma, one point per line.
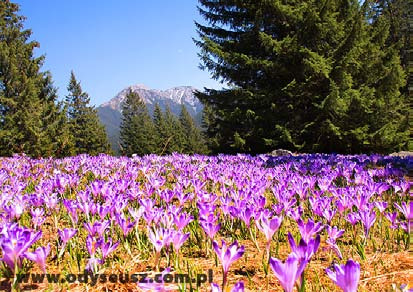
x=110, y=113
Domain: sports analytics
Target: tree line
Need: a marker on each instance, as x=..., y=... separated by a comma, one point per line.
x=33, y=120
x=305, y=75
x=164, y=133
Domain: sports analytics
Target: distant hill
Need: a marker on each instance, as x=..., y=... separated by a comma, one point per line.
x=110, y=113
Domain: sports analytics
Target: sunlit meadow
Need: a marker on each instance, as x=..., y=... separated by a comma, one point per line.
x=260, y=223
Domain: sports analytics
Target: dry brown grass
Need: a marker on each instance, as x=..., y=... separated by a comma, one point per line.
x=378, y=272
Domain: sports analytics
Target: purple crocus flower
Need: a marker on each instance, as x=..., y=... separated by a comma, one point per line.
x=159, y=238
x=361, y=202
x=71, y=207
x=353, y=218
x=92, y=264
x=345, y=276
x=97, y=228
x=167, y=195
x=126, y=225
x=178, y=239
x=66, y=234
x=16, y=209
x=381, y=206
x=182, y=220
x=14, y=242
x=334, y=233
x=39, y=256
x=227, y=255
x=304, y=251
x=308, y=229
x=210, y=228
x=406, y=209
x=166, y=220
x=103, y=210
x=367, y=218
x=245, y=214
x=344, y=202
x=37, y=217
x=136, y=214
x=392, y=217
x=238, y=287
x=92, y=244
x=295, y=213
x=289, y=272
x=107, y=247
x=268, y=225
x=328, y=214
x=51, y=201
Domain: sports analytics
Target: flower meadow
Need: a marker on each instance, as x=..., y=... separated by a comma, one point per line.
x=257, y=223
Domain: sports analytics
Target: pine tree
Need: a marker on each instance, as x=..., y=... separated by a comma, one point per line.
x=161, y=136
x=137, y=130
x=28, y=109
x=89, y=134
x=59, y=140
x=175, y=141
x=397, y=14
x=301, y=75
x=194, y=142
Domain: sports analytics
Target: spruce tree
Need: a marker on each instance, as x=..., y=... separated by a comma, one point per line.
x=89, y=134
x=313, y=76
x=137, y=130
x=194, y=142
x=59, y=140
x=162, y=138
x=28, y=103
x=175, y=141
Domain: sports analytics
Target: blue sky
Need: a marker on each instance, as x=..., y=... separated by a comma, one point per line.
x=111, y=44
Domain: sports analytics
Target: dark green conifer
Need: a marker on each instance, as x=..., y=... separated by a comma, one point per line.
x=137, y=130
x=162, y=135
x=89, y=134
x=194, y=142
x=175, y=135
x=311, y=76
x=29, y=111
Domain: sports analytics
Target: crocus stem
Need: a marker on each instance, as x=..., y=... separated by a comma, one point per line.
x=62, y=250
x=224, y=280
x=137, y=236
x=302, y=284
x=55, y=221
x=254, y=240
x=168, y=259
x=177, y=260
x=157, y=258
x=15, y=285
x=409, y=234
x=126, y=244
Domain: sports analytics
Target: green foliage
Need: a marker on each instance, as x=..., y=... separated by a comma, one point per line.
x=162, y=135
x=137, y=130
x=312, y=76
x=31, y=120
x=89, y=134
x=193, y=142
x=176, y=139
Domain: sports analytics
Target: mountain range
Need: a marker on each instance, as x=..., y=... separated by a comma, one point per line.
x=110, y=113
